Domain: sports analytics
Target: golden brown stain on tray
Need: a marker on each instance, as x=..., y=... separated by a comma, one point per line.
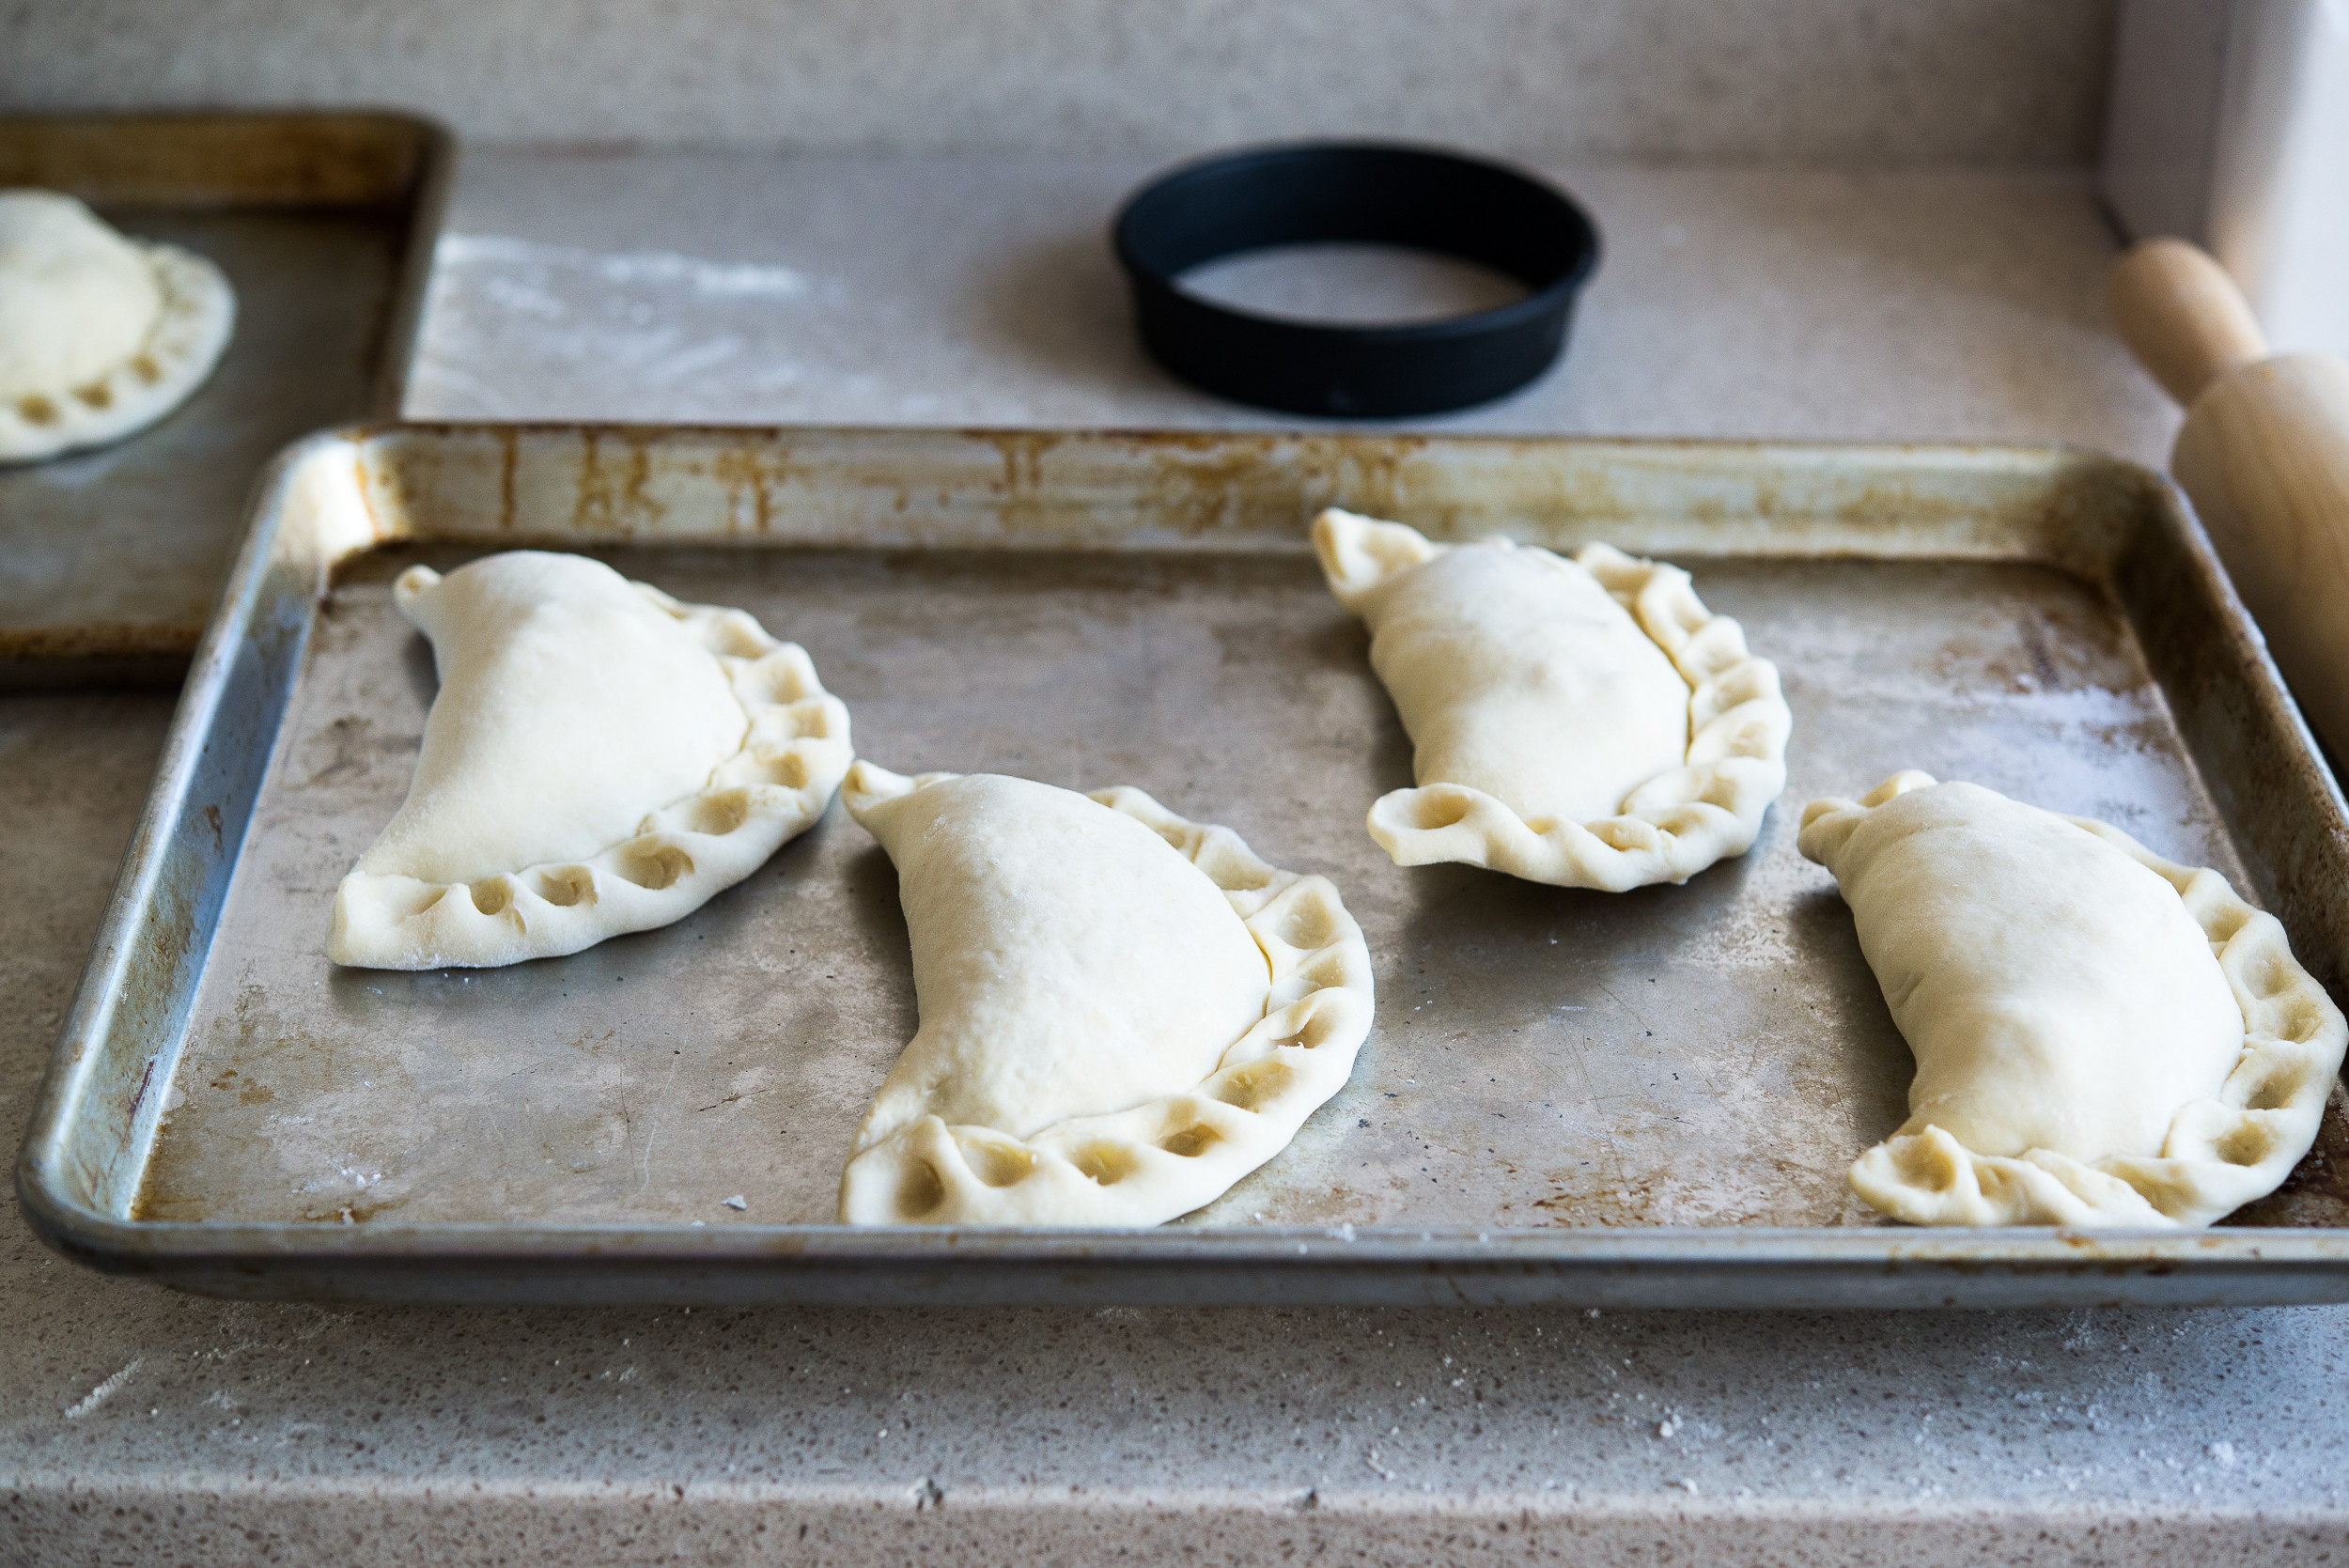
x=753, y=469
x=509, y=454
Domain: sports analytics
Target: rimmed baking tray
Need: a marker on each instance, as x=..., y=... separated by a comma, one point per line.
x=112, y=559
x=1567, y=1096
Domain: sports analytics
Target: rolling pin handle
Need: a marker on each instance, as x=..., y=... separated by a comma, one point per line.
x=2183, y=316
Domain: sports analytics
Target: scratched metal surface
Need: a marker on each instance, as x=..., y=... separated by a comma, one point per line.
x=1711, y=1054
x=1668, y=1066
x=111, y=559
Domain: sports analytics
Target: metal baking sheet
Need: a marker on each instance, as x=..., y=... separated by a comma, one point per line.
x=1567, y=1095
x=111, y=559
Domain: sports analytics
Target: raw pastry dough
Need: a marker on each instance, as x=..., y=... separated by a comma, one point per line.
x=600, y=759
x=1122, y=1013
x=1585, y=723
x=99, y=334
x=2102, y=1037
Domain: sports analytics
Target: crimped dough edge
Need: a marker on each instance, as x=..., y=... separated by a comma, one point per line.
x=1165, y=1157
x=2219, y=1153
x=794, y=754
x=199, y=314
x=1671, y=827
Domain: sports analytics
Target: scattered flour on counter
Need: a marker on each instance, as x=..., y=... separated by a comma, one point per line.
x=104, y=1390
x=660, y=268
x=655, y=334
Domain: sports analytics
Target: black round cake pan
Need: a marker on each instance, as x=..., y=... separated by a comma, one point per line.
x=1421, y=198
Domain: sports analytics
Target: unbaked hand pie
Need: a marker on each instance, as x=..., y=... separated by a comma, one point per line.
x=600, y=759
x=99, y=334
x=2102, y=1037
x=1582, y=721
x=1122, y=1013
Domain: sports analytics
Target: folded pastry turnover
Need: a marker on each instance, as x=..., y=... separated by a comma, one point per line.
x=100, y=335
x=1122, y=1013
x=2103, y=1038
x=600, y=759
x=1582, y=721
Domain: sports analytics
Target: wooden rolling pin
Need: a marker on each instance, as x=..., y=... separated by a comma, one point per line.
x=2263, y=456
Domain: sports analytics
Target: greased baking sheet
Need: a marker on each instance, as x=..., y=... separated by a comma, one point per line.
x=1567, y=1095
x=111, y=559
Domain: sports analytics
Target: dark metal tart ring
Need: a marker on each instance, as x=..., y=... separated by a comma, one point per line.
x=1366, y=192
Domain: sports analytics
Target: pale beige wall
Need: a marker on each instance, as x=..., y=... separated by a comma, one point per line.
x=1862, y=81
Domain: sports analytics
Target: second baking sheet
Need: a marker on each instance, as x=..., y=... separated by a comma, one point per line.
x=111, y=559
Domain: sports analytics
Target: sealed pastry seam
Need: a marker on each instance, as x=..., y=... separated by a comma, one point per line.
x=795, y=748
x=193, y=318
x=1669, y=827
x=1154, y=1161
x=2220, y=1152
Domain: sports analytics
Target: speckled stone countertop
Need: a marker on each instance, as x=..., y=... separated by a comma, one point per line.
x=137, y=1425
x=943, y=289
